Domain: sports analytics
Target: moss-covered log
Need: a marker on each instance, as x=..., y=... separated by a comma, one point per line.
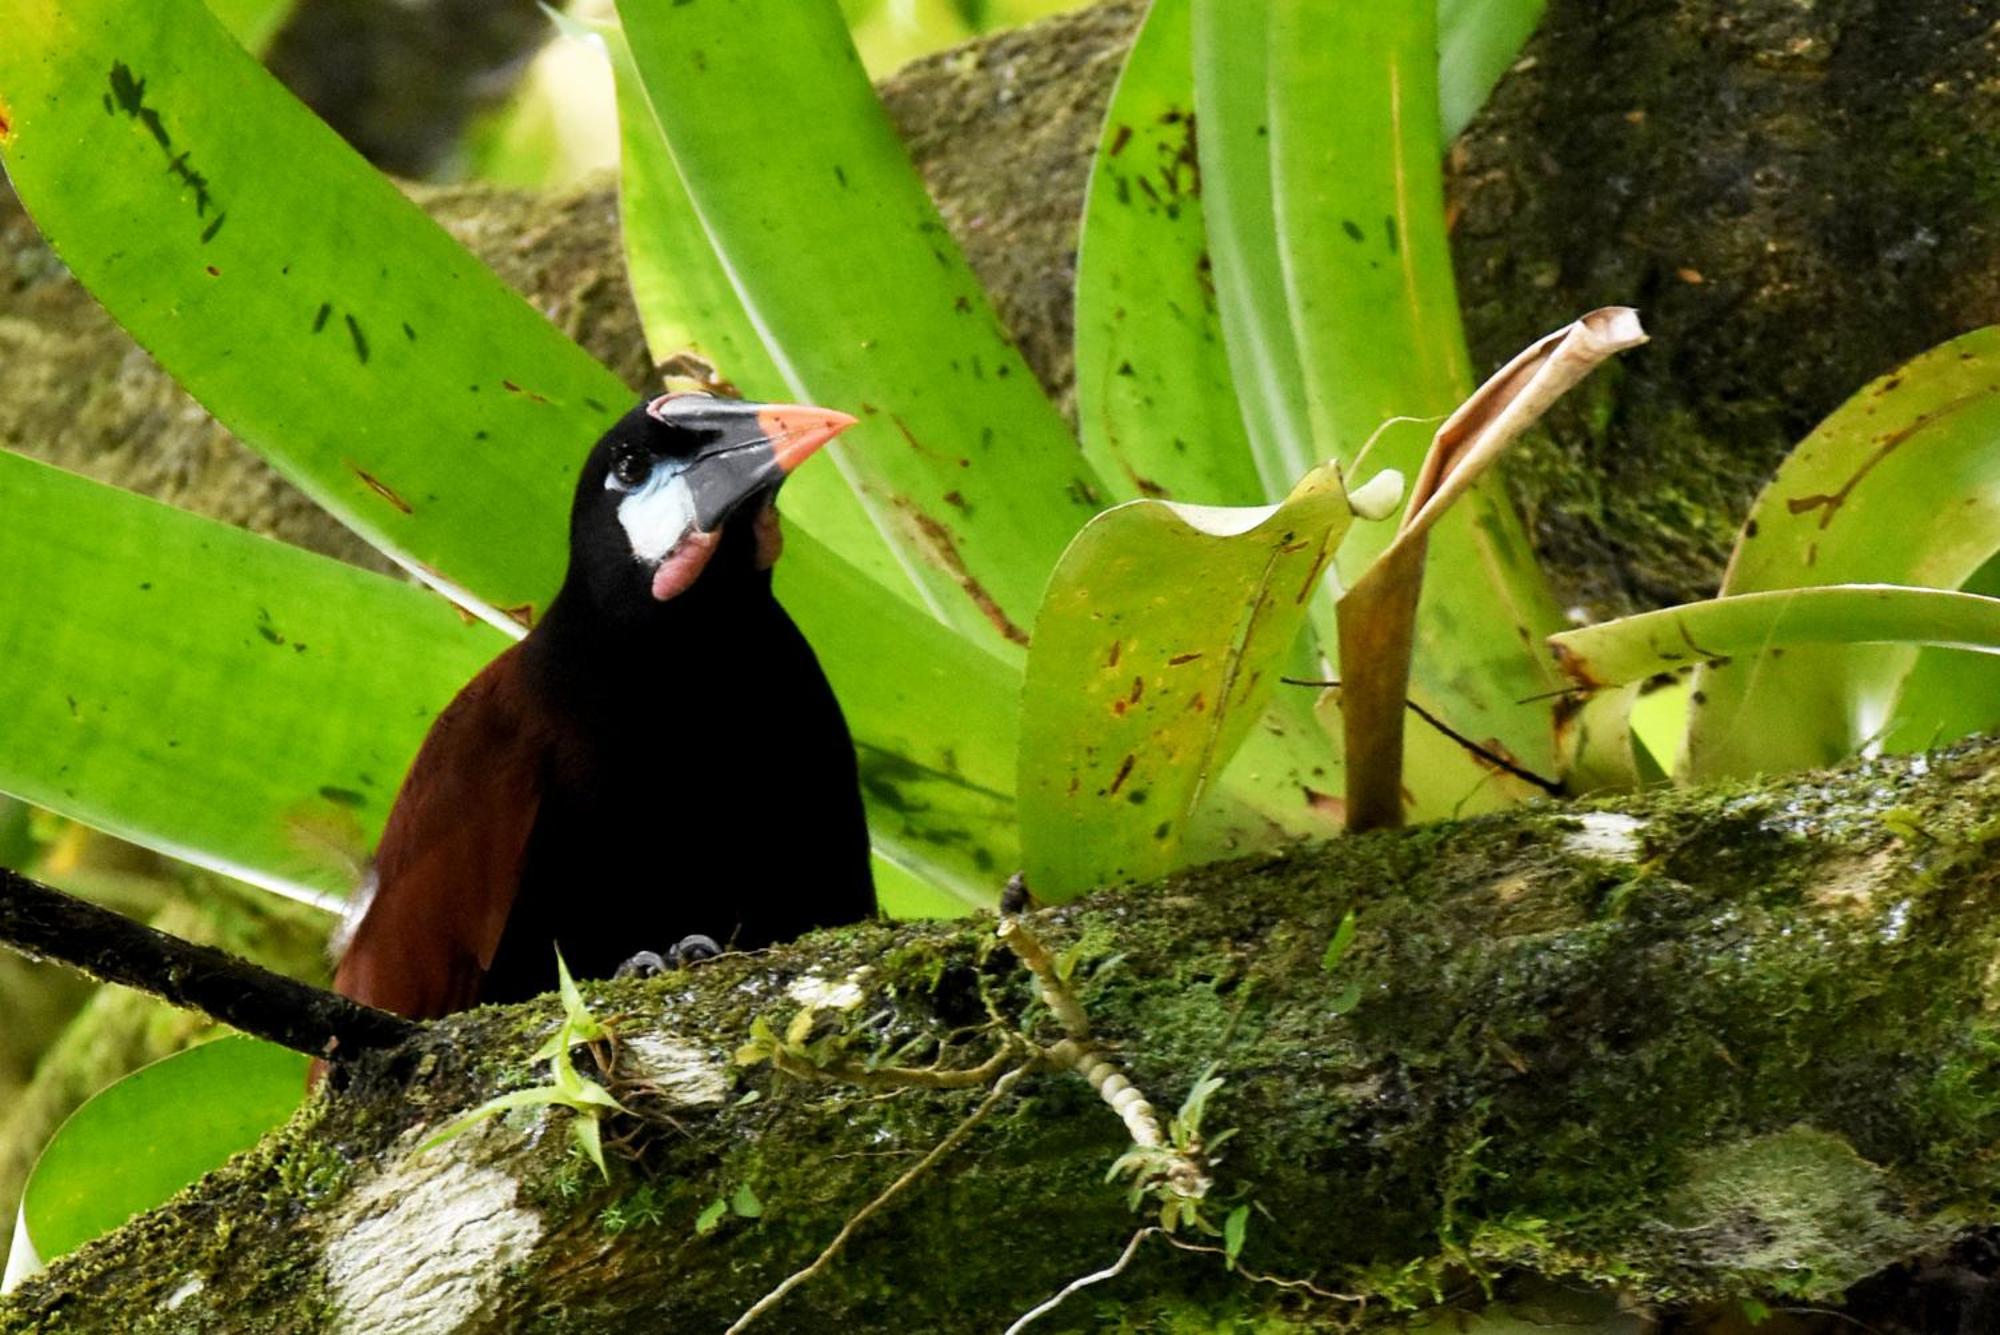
x=1738, y=1041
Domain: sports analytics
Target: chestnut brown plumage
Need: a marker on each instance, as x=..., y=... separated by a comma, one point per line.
x=660, y=758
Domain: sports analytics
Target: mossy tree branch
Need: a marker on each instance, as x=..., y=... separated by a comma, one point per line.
x=1693, y=1043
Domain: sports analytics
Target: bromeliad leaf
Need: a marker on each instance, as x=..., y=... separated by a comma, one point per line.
x=1721, y=630
x=247, y=640
x=1477, y=41
x=139, y=1141
x=1155, y=402
x=336, y=329
x=1379, y=614
x=1155, y=650
x=862, y=297
x=1900, y=485
x=687, y=304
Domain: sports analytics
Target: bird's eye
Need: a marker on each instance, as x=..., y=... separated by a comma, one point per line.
x=631, y=468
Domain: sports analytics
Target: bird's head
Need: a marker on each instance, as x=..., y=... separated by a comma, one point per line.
x=680, y=490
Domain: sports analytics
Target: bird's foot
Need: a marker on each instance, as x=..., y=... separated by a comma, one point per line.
x=645, y=964
x=693, y=950
x=684, y=952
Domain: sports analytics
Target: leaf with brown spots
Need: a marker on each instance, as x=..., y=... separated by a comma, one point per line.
x=1155, y=649
x=1900, y=485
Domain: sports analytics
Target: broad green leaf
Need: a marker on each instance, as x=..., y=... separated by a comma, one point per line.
x=1722, y=630
x=198, y=689
x=843, y=265
x=1232, y=70
x=253, y=22
x=1947, y=694
x=139, y=1141
x=1477, y=42
x=687, y=304
x=1359, y=219
x=1156, y=649
x=1900, y=485
x=294, y=291
x=1155, y=403
x=934, y=719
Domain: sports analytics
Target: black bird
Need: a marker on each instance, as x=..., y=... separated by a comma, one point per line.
x=660, y=759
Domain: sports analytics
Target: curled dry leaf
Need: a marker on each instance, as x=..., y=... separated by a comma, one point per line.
x=1378, y=615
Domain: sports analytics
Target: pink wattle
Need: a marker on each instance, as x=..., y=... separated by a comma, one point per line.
x=679, y=569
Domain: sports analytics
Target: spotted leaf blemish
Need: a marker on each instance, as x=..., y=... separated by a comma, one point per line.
x=382, y=489
x=360, y=339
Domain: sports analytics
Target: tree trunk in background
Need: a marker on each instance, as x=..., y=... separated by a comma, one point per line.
x=1799, y=197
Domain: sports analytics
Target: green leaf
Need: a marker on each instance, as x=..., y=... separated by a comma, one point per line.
x=1155, y=402
x=1232, y=70
x=539, y=1096
x=587, y=1134
x=844, y=266
x=359, y=348
x=1477, y=41
x=1336, y=245
x=1336, y=949
x=1722, y=630
x=1156, y=649
x=1947, y=694
x=934, y=719
x=186, y=685
x=1234, y=1230
x=1895, y=487
x=139, y=1141
x=711, y=1215
x=253, y=22
x=686, y=303
x=744, y=1204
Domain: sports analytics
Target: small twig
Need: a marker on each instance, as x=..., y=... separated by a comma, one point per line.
x=901, y=1077
x=1001, y=1088
x=43, y=923
x=1014, y=934
x=1112, y=1271
x=1493, y=758
x=1305, y=1285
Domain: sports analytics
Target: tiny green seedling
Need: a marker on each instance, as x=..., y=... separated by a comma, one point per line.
x=568, y=1089
x=1336, y=951
x=1162, y=1171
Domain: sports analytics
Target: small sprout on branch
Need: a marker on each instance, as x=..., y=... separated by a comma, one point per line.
x=583, y=1096
x=705, y=1223
x=1234, y=1229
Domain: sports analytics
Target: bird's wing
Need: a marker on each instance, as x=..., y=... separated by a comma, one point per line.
x=449, y=863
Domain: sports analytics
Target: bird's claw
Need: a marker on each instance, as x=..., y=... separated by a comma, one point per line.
x=692, y=950
x=645, y=964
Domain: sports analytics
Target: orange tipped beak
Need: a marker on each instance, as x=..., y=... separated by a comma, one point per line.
x=796, y=431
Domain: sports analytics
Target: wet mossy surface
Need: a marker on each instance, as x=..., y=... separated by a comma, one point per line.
x=1753, y=1057
x=1799, y=197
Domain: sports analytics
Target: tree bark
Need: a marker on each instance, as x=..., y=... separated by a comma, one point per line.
x=1696, y=1044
